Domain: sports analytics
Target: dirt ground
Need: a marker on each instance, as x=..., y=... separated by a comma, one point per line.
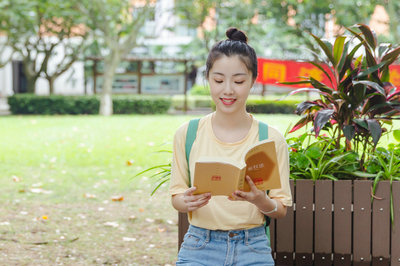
x=133, y=229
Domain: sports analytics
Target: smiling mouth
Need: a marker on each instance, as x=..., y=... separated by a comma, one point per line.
x=227, y=101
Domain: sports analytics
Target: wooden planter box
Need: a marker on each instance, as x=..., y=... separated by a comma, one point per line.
x=335, y=222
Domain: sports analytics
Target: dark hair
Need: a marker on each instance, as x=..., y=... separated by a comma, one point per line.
x=236, y=44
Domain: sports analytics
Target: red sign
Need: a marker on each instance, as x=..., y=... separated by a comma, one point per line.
x=275, y=71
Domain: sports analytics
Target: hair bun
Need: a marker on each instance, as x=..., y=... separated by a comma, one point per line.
x=236, y=35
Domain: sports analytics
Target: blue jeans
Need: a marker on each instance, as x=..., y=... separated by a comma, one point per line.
x=214, y=247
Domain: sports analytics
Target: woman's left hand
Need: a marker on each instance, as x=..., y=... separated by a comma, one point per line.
x=254, y=196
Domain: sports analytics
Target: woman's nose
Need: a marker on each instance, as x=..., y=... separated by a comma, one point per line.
x=228, y=88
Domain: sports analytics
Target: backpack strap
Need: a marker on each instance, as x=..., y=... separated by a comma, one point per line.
x=262, y=135
x=190, y=138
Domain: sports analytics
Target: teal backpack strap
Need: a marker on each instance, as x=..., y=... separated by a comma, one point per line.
x=262, y=131
x=262, y=135
x=191, y=134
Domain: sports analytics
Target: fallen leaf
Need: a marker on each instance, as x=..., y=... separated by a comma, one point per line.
x=161, y=229
x=141, y=210
x=40, y=191
x=45, y=217
x=22, y=190
x=111, y=224
x=16, y=179
x=117, y=198
x=129, y=239
x=150, y=220
x=132, y=217
x=130, y=162
x=89, y=196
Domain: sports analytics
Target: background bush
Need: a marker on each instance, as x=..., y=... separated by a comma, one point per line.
x=264, y=106
x=199, y=90
x=58, y=104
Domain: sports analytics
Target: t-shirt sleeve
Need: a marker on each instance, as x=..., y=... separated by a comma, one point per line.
x=179, y=182
x=283, y=193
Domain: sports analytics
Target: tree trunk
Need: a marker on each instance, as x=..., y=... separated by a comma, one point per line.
x=51, y=85
x=31, y=84
x=110, y=65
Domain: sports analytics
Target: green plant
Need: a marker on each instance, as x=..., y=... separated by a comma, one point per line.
x=161, y=171
x=271, y=106
x=60, y=104
x=320, y=159
x=200, y=90
x=359, y=99
x=384, y=164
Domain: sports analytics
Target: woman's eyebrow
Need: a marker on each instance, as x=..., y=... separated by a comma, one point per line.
x=236, y=74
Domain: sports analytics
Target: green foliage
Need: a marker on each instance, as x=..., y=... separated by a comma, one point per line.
x=319, y=159
x=140, y=104
x=50, y=105
x=28, y=25
x=271, y=106
x=200, y=90
x=359, y=99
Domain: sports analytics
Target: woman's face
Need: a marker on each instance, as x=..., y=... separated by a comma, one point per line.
x=230, y=83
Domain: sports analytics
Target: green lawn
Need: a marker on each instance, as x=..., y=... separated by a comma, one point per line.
x=60, y=174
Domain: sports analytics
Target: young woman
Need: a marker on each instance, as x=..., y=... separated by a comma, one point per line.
x=227, y=230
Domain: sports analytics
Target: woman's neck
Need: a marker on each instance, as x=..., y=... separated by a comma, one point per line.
x=231, y=127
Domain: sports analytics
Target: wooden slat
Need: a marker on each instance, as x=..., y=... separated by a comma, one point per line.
x=342, y=222
x=284, y=245
x=323, y=222
x=272, y=236
x=381, y=225
x=183, y=225
x=395, y=252
x=304, y=222
x=362, y=223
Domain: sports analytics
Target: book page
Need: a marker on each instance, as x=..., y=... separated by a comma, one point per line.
x=219, y=178
x=262, y=166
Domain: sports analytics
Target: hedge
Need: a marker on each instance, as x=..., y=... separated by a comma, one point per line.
x=271, y=107
x=57, y=104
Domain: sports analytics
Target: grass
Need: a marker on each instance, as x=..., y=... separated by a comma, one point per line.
x=67, y=193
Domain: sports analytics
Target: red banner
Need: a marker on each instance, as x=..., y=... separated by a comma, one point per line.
x=273, y=72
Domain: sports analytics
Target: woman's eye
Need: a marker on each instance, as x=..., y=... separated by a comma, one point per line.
x=218, y=81
x=239, y=82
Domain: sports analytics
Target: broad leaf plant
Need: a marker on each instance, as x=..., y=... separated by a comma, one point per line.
x=359, y=99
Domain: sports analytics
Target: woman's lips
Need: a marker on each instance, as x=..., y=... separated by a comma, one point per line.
x=228, y=101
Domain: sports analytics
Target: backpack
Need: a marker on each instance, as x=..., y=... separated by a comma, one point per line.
x=191, y=134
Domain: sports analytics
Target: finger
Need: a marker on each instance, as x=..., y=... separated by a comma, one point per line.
x=189, y=191
x=240, y=195
x=251, y=183
x=197, y=204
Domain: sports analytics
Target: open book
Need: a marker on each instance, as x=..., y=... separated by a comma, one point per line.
x=222, y=176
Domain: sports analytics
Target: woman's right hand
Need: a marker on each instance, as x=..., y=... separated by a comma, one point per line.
x=188, y=202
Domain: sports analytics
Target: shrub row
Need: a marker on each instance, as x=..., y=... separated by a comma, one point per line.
x=271, y=107
x=57, y=104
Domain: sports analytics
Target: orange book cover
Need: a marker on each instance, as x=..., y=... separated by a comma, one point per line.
x=222, y=176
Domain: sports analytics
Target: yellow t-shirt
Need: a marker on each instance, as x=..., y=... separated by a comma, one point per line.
x=221, y=213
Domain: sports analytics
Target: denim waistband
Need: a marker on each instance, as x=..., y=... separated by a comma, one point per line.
x=231, y=234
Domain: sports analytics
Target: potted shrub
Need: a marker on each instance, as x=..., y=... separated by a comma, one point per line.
x=353, y=111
